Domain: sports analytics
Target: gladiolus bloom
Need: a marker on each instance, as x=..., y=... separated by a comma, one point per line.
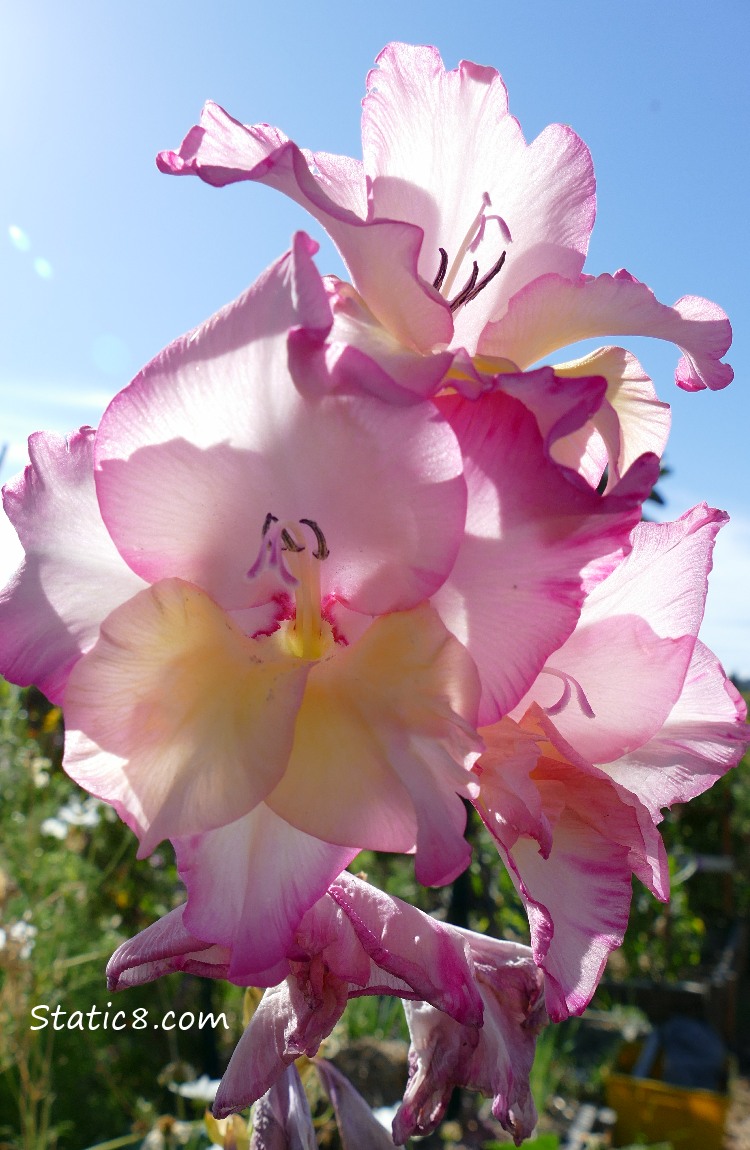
x=466, y=245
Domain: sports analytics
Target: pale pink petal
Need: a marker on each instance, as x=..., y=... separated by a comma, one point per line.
x=664, y=579
x=577, y=892
x=249, y=885
x=642, y=421
x=359, y=1129
x=163, y=948
x=381, y=255
x=704, y=736
x=553, y=312
x=626, y=680
x=213, y=436
x=441, y=151
x=282, y=1118
x=431, y=957
x=176, y=717
x=360, y=355
x=72, y=576
x=536, y=537
x=495, y=1059
x=400, y=703
x=634, y=641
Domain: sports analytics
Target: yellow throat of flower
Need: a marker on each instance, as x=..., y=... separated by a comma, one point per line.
x=308, y=635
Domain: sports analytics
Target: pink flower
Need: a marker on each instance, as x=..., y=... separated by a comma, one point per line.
x=479, y=999
x=466, y=245
x=247, y=580
x=631, y=715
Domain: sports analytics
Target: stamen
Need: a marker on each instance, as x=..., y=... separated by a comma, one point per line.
x=438, y=280
x=290, y=544
x=466, y=290
x=484, y=280
x=568, y=682
x=321, y=551
x=269, y=519
x=283, y=548
x=468, y=239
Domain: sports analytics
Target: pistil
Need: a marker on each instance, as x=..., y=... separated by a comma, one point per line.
x=306, y=634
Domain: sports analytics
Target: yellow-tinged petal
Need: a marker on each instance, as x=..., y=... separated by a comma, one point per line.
x=384, y=739
x=642, y=420
x=177, y=717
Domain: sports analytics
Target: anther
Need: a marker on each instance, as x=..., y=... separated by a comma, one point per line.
x=269, y=519
x=466, y=290
x=484, y=280
x=438, y=280
x=290, y=544
x=321, y=552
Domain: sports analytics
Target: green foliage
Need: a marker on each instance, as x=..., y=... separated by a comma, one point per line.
x=69, y=894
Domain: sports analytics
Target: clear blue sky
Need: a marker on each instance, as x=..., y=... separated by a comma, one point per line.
x=107, y=260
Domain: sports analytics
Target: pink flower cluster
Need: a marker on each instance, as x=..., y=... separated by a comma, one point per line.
x=342, y=559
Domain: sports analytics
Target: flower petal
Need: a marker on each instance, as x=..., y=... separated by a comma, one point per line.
x=193, y=456
x=250, y=883
x=400, y=704
x=176, y=717
x=282, y=1118
x=704, y=736
x=643, y=421
x=360, y=355
x=72, y=576
x=358, y=1126
x=495, y=1059
x=577, y=892
x=381, y=255
x=163, y=948
x=257, y=1062
x=535, y=535
x=552, y=312
x=440, y=147
x=431, y=957
x=634, y=640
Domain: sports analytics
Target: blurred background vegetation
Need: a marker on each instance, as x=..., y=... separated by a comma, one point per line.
x=71, y=890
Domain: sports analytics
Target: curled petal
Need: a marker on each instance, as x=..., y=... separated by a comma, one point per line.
x=177, y=718
x=163, y=948
x=72, y=576
x=292, y=1019
x=381, y=255
x=495, y=1059
x=553, y=311
x=641, y=421
x=432, y=958
x=577, y=888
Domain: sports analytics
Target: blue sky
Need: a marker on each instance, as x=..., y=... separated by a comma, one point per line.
x=103, y=260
